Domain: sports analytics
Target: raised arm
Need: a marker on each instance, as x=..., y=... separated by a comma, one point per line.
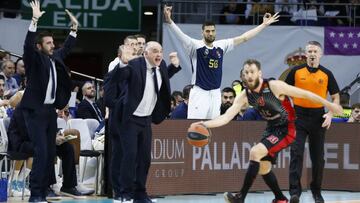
x=29, y=45
x=240, y=101
x=174, y=66
x=281, y=88
x=70, y=40
x=267, y=20
x=185, y=39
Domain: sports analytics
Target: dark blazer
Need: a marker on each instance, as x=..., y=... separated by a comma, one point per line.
x=86, y=110
x=115, y=91
x=37, y=70
x=132, y=77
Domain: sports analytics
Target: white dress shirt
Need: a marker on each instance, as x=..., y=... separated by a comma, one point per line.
x=149, y=99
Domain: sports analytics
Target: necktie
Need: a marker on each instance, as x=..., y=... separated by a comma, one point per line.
x=98, y=112
x=155, y=81
x=53, y=80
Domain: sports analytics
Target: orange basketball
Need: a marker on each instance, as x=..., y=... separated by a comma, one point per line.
x=198, y=135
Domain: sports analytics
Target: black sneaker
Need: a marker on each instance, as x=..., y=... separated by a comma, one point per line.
x=230, y=198
x=71, y=192
x=51, y=195
x=318, y=198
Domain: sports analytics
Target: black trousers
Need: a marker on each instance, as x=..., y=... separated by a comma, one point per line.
x=308, y=125
x=41, y=126
x=135, y=140
x=66, y=153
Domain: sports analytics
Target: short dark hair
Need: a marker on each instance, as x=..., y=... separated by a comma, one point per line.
x=2, y=77
x=207, y=23
x=129, y=37
x=315, y=43
x=186, y=91
x=228, y=89
x=41, y=35
x=176, y=93
x=252, y=61
x=355, y=106
x=140, y=36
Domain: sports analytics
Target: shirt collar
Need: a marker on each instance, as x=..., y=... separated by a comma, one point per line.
x=149, y=66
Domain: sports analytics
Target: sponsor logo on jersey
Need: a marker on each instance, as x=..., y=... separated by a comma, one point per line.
x=261, y=101
x=273, y=139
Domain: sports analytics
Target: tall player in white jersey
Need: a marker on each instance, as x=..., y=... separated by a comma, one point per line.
x=206, y=60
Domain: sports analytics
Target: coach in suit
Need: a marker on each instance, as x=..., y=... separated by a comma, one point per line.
x=48, y=88
x=146, y=100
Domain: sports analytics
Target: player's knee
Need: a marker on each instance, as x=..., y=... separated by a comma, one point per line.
x=265, y=167
x=255, y=154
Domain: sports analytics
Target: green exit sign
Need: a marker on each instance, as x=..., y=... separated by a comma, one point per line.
x=101, y=15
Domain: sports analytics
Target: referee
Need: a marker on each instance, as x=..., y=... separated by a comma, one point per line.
x=312, y=121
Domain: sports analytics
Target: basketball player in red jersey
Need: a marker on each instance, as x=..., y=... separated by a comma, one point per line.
x=271, y=99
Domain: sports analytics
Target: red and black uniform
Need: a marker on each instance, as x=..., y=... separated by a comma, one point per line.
x=309, y=115
x=280, y=116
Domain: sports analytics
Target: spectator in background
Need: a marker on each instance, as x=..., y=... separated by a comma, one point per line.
x=178, y=96
x=237, y=86
x=232, y=13
x=20, y=71
x=227, y=99
x=87, y=107
x=131, y=41
x=64, y=113
x=257, y=8
x=180, y=112
x=341, y=9
x=141, y=41
x=8, y=70
x=355, y=114
x=4, y=56
x=286, y=9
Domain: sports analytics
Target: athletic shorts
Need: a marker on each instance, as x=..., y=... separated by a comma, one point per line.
x=204, y=104
x=276, y=139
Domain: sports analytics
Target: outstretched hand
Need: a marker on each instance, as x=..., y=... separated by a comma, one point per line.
x=35, y=5
x=268, y=19
x=167, y=13
x=74, y=21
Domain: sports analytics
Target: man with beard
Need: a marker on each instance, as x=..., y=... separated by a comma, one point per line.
x=48, y=88
x=88, y=108
x=227, y=99
x=312, y=121
x=207, y=58
x=271, y=99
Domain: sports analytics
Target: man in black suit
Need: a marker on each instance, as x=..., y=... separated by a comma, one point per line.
x=87, y=107
x=48, y=88
x=146, y=100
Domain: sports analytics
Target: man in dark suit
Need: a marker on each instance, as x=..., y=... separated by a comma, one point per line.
x=87, y=107
x=146, y=100
x=48, y=88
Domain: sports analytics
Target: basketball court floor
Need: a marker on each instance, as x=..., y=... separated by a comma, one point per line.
x=258, y=197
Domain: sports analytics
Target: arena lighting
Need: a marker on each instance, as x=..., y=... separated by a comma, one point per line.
x=148, y=13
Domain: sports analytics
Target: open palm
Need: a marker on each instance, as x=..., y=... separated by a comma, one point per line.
x=35, y=5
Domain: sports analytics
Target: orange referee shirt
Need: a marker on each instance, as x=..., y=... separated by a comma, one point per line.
x=317, y=80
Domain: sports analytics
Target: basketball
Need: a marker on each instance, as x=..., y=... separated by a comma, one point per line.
x=198, y=135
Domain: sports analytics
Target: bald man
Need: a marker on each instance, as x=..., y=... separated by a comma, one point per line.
x=147, y=101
